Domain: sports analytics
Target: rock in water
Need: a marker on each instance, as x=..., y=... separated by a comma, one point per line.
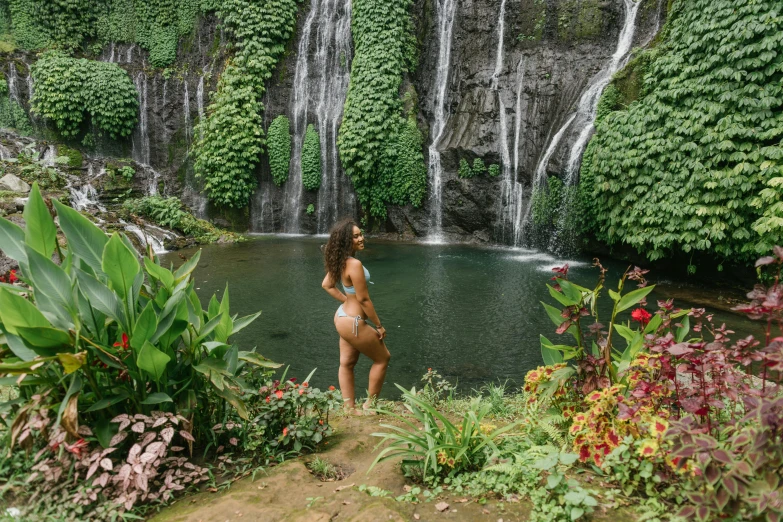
x=13, y=184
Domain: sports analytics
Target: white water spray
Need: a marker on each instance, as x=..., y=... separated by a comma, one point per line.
x=445, y=13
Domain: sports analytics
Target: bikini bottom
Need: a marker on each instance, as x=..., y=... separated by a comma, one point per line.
x=355, y=330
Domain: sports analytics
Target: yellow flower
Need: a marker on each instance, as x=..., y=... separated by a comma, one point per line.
x=441, y=457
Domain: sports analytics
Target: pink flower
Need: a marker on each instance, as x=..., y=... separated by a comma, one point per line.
x=279, y=394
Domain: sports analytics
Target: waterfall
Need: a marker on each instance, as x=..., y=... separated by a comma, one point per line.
x=140, y=143
x=293, y=186
x=165, y=84
x=29, y=81
x=49, y=158
x=13, y=89
x=445, y=13
x=333, y=59
x=518, y=192
x=588, y=103
x=129, y=53
x=186, y=111
x=319, y=90
x=199, y=99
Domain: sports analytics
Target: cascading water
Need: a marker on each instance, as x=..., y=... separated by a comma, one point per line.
x=186, y=111
x=319, y=90
x=140, y=143
x=333, y=59
x=445, y=13
x=293, y=186
x=200, y=98
x=13, y=78
x=586, y=113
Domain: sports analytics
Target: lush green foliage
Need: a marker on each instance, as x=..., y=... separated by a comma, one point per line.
x=66, y=88
x=69, y=24
x=13, y=115
x=228, y=152
x=279, y=145
x=434, y=445
x=380, y=151
x=464, y=170
x=311, y=159
x=99, y=333
x=171, y=213
x=494, y=170
x=695, y=163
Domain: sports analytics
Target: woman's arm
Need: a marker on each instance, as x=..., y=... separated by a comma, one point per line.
x=331, y=289
x=356, y=273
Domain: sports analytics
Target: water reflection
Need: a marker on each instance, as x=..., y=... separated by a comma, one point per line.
x=473, y=313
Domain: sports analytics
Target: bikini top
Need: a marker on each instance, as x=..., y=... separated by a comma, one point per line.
x=351, y=290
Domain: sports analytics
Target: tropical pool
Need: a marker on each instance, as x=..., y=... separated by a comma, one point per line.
x=472, y=313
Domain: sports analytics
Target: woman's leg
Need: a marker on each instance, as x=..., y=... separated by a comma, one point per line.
x=367, y=343
x=348, y=358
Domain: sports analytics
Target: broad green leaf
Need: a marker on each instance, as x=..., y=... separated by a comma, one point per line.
x=145, y=327
x=109, y=401
x=159, y=273
x=234, y=400
x=242, y=322
x=632, y=298
x=101, y=297
x=120, y=265
x=85, y=239
x=39, y=231
x=571, y=291
x=152, y=361
x=16, y=311
x=157, y=398
x=549, y=355
x=18, y=368
x=44, y=337
x=562, y=299
x=50, y=280
x=12, y=241
x=257, y=360
x=682, y=331
x=188, y=267
x=627, y=333
x=209, y=364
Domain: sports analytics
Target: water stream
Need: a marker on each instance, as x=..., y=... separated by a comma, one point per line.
x=445, y=12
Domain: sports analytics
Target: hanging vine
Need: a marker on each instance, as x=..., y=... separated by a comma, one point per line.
x=66, y=88
x=375, y=140
x=311, y=159
x=696, y=163
x=279, y=146
x=228, y=153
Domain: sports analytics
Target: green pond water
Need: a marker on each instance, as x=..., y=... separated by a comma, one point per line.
x=472, y=313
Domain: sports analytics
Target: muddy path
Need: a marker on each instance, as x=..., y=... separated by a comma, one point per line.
x=290, y=492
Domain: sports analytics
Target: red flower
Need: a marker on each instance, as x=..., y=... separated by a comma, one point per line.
x=77, y=447
x=285, y=432
x=279, y=394
x=641, y=315
x=331, y=388
x=267, y=398
x=301, y=391
x=124, y=344
x=12, y=277
x=305, y=384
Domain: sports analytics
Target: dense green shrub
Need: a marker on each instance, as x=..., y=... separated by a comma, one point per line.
x=494, y=170
x=228, y=152
x=408, y=183
x=279, y=145
x=13, y=115
x=26, y=22
x=311, y=159
x=384, y=49
x=695, y=164
x=464, y=170
x=66, y=88
x=478, y=167
x=171, y=213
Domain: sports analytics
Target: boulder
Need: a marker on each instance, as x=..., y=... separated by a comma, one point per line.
x=13, y=184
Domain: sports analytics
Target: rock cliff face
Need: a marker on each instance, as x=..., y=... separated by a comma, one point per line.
x=505, y=111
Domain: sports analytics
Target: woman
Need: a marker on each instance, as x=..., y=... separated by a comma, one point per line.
x=356, y=336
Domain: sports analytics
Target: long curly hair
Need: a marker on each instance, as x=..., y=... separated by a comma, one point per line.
x=339, y=248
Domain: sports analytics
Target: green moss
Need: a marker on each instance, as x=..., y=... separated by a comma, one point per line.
x=579, y=19
x=630, y=80
x=75, y=157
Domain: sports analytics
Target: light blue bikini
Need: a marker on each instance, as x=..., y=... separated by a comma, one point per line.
x=349, y=290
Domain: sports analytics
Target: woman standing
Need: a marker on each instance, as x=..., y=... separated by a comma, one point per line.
x=356, y=336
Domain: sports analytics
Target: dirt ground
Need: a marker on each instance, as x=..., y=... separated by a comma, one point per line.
x=290, y=492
